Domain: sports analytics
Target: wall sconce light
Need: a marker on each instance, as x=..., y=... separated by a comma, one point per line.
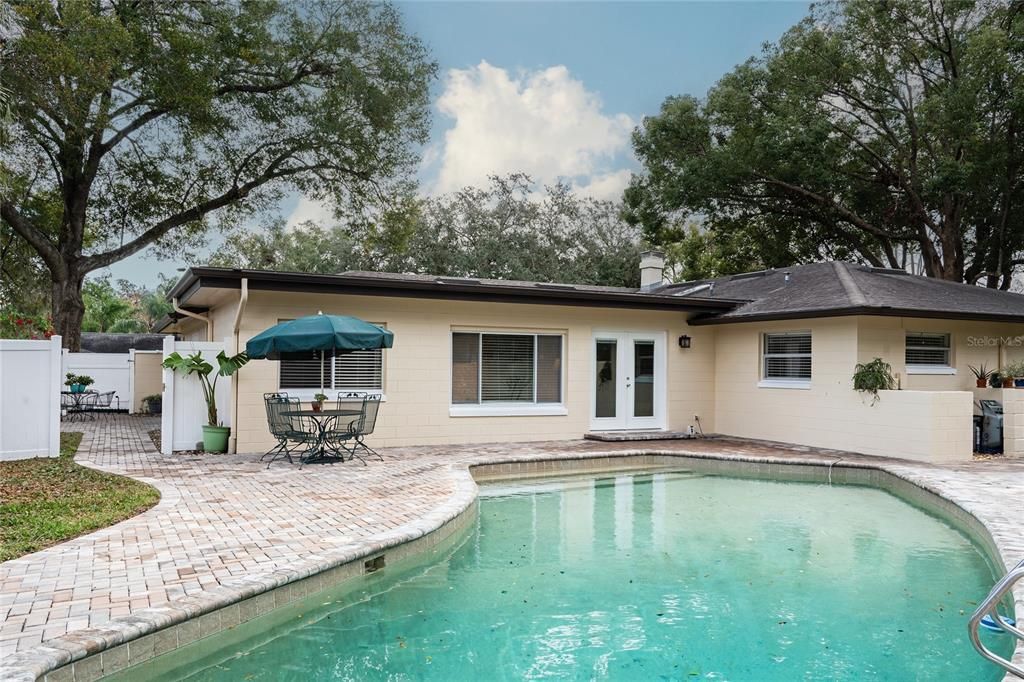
x=684, y=341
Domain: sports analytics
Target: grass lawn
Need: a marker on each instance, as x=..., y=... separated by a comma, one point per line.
x=47, y=500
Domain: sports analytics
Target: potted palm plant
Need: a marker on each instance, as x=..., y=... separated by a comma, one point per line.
x=215, y=434
x=982, y=374
x=318, y=401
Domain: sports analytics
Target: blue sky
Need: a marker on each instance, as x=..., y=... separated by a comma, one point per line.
x=554, y=88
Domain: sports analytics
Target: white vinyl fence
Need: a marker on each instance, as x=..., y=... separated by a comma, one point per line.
x=30, y=386
x=184, y=408
x=110, y=371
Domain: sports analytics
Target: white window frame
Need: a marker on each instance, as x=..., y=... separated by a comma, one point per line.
x=332, y=393
x=505, y=409
x=947, y=369
x=794, y=383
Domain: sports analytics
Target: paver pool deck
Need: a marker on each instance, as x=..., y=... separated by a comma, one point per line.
x=226, y=522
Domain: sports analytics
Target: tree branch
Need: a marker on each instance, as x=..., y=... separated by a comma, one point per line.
x=39, y=241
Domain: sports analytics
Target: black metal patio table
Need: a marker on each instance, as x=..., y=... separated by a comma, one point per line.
x=324, y=420
x=76, y=408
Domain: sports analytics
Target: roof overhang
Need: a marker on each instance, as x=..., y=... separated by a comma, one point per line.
x=204, y=278
x=878, y=311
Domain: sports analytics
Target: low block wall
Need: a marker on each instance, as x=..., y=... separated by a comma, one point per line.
x=1013, y=422
x=926, y=426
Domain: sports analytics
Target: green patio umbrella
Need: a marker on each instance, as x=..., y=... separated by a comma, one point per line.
x=329, y=334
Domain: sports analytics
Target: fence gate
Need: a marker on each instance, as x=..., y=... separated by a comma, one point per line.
x=184, y=408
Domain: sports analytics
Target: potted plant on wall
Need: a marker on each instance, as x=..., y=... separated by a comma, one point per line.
x=872, y=377
x=1016, y=370
x=1007, y=376
x=318, y=401
x=982, y=374
x=215, y=434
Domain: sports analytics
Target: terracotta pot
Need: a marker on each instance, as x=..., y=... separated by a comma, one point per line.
x=317, y=406
x=1007, y=382
x=982, y=383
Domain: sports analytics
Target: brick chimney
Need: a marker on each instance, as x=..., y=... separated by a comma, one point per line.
x=652, y=269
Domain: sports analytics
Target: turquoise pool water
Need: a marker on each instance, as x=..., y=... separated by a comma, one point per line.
x=674, y=576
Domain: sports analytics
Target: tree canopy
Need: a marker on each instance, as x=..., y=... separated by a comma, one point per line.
x=502, y=231
x=145, y=124
x=887, y=132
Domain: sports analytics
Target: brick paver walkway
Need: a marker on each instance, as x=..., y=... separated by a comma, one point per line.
x=225, y=519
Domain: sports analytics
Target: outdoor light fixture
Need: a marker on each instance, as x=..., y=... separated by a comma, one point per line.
x=684, y=341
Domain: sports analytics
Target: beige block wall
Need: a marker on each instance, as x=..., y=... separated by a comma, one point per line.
x=973, y=343
x=1013, y=422
x=417, y=369
x=922, y=425
x=148, y=377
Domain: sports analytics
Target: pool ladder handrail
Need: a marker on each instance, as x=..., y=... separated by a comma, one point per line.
x=988, y=607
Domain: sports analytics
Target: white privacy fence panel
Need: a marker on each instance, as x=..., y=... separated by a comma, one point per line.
x=110, y=371
x=30, y=385
x=184, y=408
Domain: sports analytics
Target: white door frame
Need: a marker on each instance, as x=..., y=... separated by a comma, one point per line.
x=624, y=381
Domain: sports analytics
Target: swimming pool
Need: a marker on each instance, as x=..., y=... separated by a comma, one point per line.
x=668, y=575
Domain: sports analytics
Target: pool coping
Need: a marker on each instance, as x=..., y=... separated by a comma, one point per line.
x=126, y=641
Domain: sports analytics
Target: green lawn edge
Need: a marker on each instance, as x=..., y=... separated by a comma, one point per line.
x=48, y=500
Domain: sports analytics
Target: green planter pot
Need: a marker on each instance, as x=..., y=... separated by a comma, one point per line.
x=215, y=438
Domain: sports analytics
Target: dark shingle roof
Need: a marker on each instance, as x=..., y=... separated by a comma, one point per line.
x=828, y=289
x=100, y=342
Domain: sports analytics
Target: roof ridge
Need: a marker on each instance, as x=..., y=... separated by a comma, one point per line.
x=853, y=291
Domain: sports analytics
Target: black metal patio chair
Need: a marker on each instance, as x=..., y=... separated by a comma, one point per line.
x=287, y=429
x=350, y=438
x=101, y=402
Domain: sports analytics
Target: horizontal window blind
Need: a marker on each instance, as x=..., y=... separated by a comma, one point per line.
x=362, y=369
x=787, y=356
x=302, y=370
x=928, y=349
x=506, y=368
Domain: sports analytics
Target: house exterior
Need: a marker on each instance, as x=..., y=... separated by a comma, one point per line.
x=766, y=355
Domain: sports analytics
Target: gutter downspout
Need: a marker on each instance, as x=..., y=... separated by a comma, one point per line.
x=243, y=298
x=201, y=318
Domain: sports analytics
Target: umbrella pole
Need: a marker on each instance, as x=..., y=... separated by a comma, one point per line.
x=322, y=371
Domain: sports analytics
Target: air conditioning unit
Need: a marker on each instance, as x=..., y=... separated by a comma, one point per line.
x=988, y=428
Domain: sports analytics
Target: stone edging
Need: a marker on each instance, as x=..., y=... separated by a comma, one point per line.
x=90, y=654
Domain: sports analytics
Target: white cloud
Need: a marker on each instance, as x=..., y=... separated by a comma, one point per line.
x=545, y=123
x=310, y=210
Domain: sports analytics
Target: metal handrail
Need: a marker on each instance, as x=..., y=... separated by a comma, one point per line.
x=988, y=607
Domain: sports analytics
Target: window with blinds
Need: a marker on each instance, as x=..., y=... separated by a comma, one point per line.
x=787, y=356
x=361, y=370
x=930, y=350
x=506, y=368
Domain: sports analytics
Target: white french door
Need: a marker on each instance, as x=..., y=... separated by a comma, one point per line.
x=628, y=380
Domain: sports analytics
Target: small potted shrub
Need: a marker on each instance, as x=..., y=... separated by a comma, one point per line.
x=1016, y=370
x=154, y=403
x=215, y=434
x=873, y=377
x=77, y=383
x=995, y=380
x=981, y=374
x=1007, y=376
x=318, y=401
